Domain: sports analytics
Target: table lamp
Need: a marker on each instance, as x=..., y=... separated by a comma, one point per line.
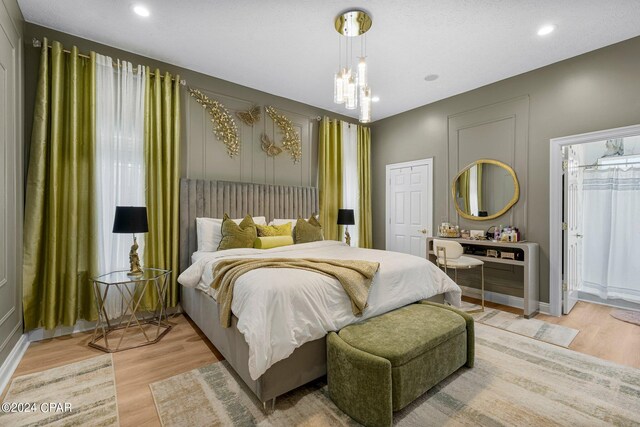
x=132, y=219
x=346, y=218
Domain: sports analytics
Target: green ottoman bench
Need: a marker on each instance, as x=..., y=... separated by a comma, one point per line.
x=384, y=363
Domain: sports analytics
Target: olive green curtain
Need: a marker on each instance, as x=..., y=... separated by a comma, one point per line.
x=464, y=183
x=479, y=186
x=365, y=239
x=162, y=162
x=60, y=252
x=330, y=176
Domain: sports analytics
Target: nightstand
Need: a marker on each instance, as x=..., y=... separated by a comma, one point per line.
x=126, y=328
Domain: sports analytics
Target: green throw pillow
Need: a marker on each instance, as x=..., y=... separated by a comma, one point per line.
x=272, y=242
x=308, y=231
x=237, y=235
x=274, y=230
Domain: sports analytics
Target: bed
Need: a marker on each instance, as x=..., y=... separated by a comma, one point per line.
x=276, y=342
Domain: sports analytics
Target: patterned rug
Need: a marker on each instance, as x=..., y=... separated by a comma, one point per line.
x=532, y=328
x=81, y=393
x=627, y=316
x=516, y=381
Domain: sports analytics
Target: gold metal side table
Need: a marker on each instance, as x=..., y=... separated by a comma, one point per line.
x=119, y=327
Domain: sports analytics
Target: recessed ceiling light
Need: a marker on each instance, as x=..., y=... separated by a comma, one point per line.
x=431, y=77
x=141, y=10
x=375, y=99
x=546, y=29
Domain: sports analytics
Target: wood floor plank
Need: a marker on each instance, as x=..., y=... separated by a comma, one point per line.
x=185, y=348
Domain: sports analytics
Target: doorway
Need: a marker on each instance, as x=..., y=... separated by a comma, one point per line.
x=409, y=206
x=595, y=197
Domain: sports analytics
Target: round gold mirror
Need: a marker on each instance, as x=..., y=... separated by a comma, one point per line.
x=485, y=189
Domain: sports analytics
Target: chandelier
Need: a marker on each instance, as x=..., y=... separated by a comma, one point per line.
x=350, y=83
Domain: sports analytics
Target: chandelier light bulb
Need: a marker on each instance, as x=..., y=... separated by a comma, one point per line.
x=362, y=72
x=352, y=94
x=338, y=88
x=365, y=105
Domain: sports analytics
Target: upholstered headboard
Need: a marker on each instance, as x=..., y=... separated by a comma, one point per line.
x=212, y=199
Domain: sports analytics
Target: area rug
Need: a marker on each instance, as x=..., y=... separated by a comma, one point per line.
x=516, y=381
x=532, y=328
x=87, y=388
x=627, y=316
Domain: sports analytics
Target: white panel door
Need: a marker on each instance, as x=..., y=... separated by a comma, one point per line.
x=573, y=176
x=409, y=206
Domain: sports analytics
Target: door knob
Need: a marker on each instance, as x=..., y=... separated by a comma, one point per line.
x=423, y=231
x=579, y=236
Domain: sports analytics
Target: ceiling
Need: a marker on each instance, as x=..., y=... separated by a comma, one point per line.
x=290, y=48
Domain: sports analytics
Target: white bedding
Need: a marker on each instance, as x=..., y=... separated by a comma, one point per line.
x=279, y=310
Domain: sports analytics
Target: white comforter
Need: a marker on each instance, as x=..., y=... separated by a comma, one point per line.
x=279, y=310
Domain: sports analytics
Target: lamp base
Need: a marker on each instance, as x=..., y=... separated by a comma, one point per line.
x=134, y=260
x=347, y=237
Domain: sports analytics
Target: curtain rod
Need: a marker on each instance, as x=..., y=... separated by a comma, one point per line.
x=608, y=165
x=38, y=43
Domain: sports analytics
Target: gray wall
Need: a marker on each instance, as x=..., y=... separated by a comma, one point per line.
x=597, y=90
x=11, y=98
x=203, y=156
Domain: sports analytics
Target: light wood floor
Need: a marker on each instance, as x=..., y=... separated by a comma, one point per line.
x=185, y=348
x=181, y=350
x=601, y=335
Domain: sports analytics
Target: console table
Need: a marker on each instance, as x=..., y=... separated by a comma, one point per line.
x=528, y=253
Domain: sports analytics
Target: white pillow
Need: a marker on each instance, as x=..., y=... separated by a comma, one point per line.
x=209, y=231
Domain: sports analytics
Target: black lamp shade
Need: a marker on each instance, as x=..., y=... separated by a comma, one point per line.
x=130, y=219
x=345, y=217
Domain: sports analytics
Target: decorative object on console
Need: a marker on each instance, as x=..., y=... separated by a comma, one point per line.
x=268, y=146
x=290, y=137
x=132, y=219
x=251, y=116
x=448, y=230
x=346, y=218
x=477, y=234
x=348, y=87
x=224, y=126
x=508, y=255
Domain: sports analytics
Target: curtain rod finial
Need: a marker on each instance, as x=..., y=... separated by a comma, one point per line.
x=36, y=42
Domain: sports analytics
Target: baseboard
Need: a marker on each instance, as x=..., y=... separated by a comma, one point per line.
x=615, y=303
x=508, y=300
x=45, y=334
x=13, y=359
x=503, y=299
x=544, y=308
x=80, y=326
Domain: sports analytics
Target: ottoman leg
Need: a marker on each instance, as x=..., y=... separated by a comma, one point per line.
x=359, y=383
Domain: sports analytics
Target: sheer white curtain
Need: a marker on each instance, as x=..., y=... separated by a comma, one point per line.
x=350, y=188
x=611, y=205
x=120, y=179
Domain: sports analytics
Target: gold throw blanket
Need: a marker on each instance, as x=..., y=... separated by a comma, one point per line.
x=354, y=276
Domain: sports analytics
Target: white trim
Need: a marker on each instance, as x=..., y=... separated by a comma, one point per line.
x=555, y=203
x=544, y=308
x=12, y=361
x=498, y=298
x=502, y=299
x=388, y=168
x=615, y=303
x=80, y=326
x=45, y=334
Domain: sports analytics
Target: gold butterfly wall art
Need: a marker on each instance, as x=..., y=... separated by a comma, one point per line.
x=269, y=147
x=251, y=116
